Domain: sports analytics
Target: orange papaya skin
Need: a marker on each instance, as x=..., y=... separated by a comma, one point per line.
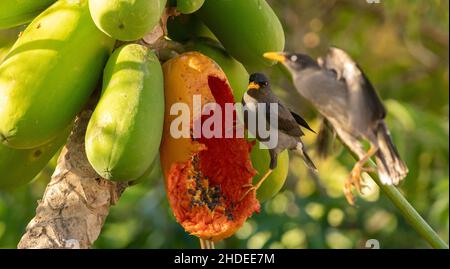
x=196, y=168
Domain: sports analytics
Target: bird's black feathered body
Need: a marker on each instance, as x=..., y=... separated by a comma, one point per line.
x=289, y=132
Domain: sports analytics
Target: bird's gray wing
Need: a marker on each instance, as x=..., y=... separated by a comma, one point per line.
x=328, y=95
x=286, y=122
x=363, y=98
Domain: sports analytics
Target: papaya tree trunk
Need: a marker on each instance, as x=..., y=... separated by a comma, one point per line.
x=75, y=203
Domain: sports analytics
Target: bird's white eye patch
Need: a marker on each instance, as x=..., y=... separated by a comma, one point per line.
x=294, y=58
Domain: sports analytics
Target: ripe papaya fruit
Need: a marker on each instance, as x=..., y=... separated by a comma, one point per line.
x=204, y=176
x=126, y=20
x=238, y=78
x=18, y=12
x=186, y=27
x=20, y=166
x=247, y=29
x=234, y=70
x=50, y=73
x=124, y=132
x=189, y=6
x=273, y=184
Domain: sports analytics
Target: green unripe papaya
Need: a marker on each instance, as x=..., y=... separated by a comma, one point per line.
x=186, y=27
x=20, y=166
x=189, y=6
x=50, y=73
x=126, y=20
x=273, y=184
x=7, y=39
x=124, y=133
x=151, y=174
x=234, y=70
x=18, y=12
x=247, y=29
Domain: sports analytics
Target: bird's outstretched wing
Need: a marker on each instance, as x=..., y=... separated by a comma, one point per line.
x=350, y=72
x=302, y=122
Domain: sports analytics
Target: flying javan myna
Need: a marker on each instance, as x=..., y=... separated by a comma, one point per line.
x=289, y=123
x=342, y=93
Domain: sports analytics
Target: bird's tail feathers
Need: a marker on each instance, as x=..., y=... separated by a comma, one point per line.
x=309, y=163
x=391, y=168
x=324, y=139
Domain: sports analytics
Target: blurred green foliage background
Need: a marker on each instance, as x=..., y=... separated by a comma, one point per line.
x=403, y=47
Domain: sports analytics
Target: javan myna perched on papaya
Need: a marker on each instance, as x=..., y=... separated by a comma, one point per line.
x=342, y=93
x=288, y=129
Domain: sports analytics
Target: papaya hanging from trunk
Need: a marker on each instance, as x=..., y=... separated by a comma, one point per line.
x=18, y=12
x=246, y=28
x=124, y=132
x=20, y=166
x=204, y=176
x=50, y=73
x=126, y=20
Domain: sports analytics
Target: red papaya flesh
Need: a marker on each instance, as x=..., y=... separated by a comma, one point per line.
x=204, y=177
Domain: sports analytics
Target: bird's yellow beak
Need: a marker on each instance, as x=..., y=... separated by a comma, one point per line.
x=253, y=86
x=275, y=56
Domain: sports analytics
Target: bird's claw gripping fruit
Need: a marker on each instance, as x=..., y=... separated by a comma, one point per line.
x=50, y=73
x=125, y=130
x=275, y=181
x=126, y=20
x=247, y=29
x=204, y=177
x=18, y=12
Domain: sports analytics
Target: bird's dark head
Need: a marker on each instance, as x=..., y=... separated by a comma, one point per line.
x=294, y=62
x=258, y=81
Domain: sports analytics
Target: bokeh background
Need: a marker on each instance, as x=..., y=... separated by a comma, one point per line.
x=403, y=47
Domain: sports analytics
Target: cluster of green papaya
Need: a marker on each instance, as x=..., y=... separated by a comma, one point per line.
x=50, y=70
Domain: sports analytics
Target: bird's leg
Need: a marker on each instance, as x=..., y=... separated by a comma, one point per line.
x=355, y=175
x=255, y=187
